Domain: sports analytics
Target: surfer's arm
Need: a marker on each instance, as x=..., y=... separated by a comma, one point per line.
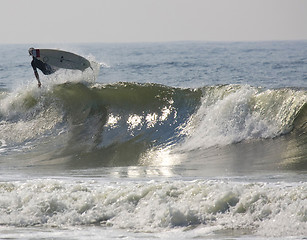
x=36, y=73
x=37, y=78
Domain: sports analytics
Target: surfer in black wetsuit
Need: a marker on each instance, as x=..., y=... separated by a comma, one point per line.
x=44, y=67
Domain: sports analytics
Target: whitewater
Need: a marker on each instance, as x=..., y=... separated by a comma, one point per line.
x=179, y=140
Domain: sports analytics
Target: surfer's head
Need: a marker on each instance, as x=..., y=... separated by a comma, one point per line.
x=31, y=51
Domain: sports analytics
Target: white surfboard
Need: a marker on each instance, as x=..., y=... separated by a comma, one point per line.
x=61, y=59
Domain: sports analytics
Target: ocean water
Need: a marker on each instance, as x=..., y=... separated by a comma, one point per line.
x=184, y=140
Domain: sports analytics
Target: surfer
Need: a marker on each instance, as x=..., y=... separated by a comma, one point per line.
x=44, y=67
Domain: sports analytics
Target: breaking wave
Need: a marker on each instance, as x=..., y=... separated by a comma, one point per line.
x=89, y=125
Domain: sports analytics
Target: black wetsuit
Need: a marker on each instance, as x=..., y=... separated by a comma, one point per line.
x=44, y=67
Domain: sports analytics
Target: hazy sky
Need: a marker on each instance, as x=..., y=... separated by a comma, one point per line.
x=68, y=21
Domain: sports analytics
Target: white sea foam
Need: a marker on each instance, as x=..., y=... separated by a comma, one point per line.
x=267, y=209
x=230, y=114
